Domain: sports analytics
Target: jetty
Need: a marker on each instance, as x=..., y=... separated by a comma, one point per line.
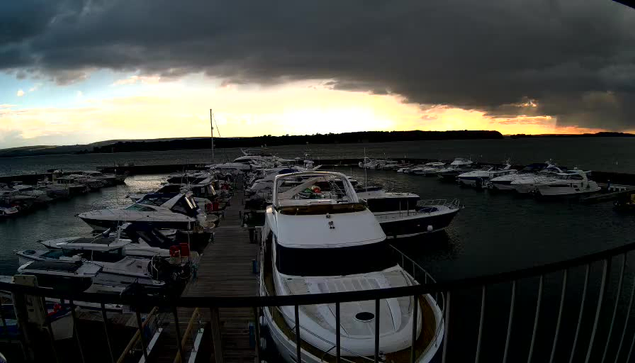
x=226, y=269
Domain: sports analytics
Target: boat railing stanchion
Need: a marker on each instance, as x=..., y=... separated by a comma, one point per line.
x=577, y=329
x=76, y=330
x=480, y=325
x=605, y=275
x=377, y=302
x=628, y=316
x=338, y=332
x=615, y=307
x=536, y=317
x=559, y=319
x=509, y=322
x=415, y=323
x=107, y=331
x=141, y=335
x=298, y=350
x=446, y=328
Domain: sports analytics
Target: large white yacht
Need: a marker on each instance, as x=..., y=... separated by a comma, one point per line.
x=427, y=169
x=480, y=178
x=158, y=210
x=527, y=183
x=504, y=182
x=318, y=238
x=573, y=182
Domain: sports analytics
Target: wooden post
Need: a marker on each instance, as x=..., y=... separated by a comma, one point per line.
x=216, y=336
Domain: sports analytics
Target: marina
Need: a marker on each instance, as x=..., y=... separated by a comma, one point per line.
x=215, y=314
x=399, y=182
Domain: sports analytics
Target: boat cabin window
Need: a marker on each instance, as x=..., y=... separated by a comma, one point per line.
x=333, y=261
x=140, y=208
x=185, y=206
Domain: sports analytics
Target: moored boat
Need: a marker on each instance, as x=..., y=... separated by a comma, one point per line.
x=345, y=233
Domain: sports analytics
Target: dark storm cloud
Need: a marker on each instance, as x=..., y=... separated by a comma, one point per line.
x=575, y=59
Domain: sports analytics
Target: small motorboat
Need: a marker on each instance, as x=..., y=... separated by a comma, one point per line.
x=402, y=215
x=8, y=211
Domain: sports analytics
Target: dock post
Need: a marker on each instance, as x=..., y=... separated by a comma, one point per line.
x=216, y=337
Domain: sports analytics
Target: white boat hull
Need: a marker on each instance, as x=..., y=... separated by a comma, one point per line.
x=287, y=348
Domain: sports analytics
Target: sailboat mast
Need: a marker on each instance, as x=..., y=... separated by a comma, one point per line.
x=211, y=124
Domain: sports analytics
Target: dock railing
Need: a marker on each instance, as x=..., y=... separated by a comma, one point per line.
x=612, y=343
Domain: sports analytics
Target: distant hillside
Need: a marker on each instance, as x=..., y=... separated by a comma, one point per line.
x=598, y=134
x=344, y=138
x=110, y=146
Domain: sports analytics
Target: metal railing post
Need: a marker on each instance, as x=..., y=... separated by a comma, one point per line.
x=617, y=301
x=628, y=316
x=141, y=335
x=177, y=328
x=577, y=329
x=557, y=332
x=480, y=325
x=105, y=318
x=415, y=321
x=298, y=341
x=215, y=334
x=377, y=331
x=79, y=341
x=256, y=311
x=510, y=321
x=337, y=332
x=536, y=317
x=598, y=310
x=446, y=328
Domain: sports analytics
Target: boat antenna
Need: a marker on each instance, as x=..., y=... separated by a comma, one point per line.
x=211, y=124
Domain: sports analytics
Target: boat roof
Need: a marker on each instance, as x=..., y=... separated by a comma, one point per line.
x=328, y=231
x=53, y=266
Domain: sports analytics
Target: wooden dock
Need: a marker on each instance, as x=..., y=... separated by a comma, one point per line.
x=225, y=269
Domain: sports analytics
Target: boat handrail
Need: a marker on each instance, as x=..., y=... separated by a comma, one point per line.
x=415, y=267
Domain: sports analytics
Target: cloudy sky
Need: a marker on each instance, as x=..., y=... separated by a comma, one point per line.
x=75, y=71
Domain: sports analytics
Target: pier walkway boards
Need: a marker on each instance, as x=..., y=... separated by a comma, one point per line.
x=226, y=270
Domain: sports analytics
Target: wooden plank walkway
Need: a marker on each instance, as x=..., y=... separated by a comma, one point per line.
x=225, y=269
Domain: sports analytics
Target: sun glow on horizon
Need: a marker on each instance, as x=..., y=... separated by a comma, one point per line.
x=137, y=107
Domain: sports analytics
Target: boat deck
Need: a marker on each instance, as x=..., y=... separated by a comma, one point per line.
x=225, y=269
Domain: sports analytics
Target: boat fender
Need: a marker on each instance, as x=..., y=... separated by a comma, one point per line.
x=430, y=228
x=263, y=344
x=175, y=251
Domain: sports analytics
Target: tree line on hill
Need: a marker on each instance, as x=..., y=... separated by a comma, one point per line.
x=344, y=138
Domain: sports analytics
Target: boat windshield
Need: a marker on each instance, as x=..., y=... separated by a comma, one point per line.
x=333, y=261
x=310, y=189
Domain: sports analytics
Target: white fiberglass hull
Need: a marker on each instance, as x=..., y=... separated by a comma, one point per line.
x=563, y=191
x=287, y=347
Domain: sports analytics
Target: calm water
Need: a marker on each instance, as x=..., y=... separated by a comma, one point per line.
x=493, y=233
x=604, y=154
